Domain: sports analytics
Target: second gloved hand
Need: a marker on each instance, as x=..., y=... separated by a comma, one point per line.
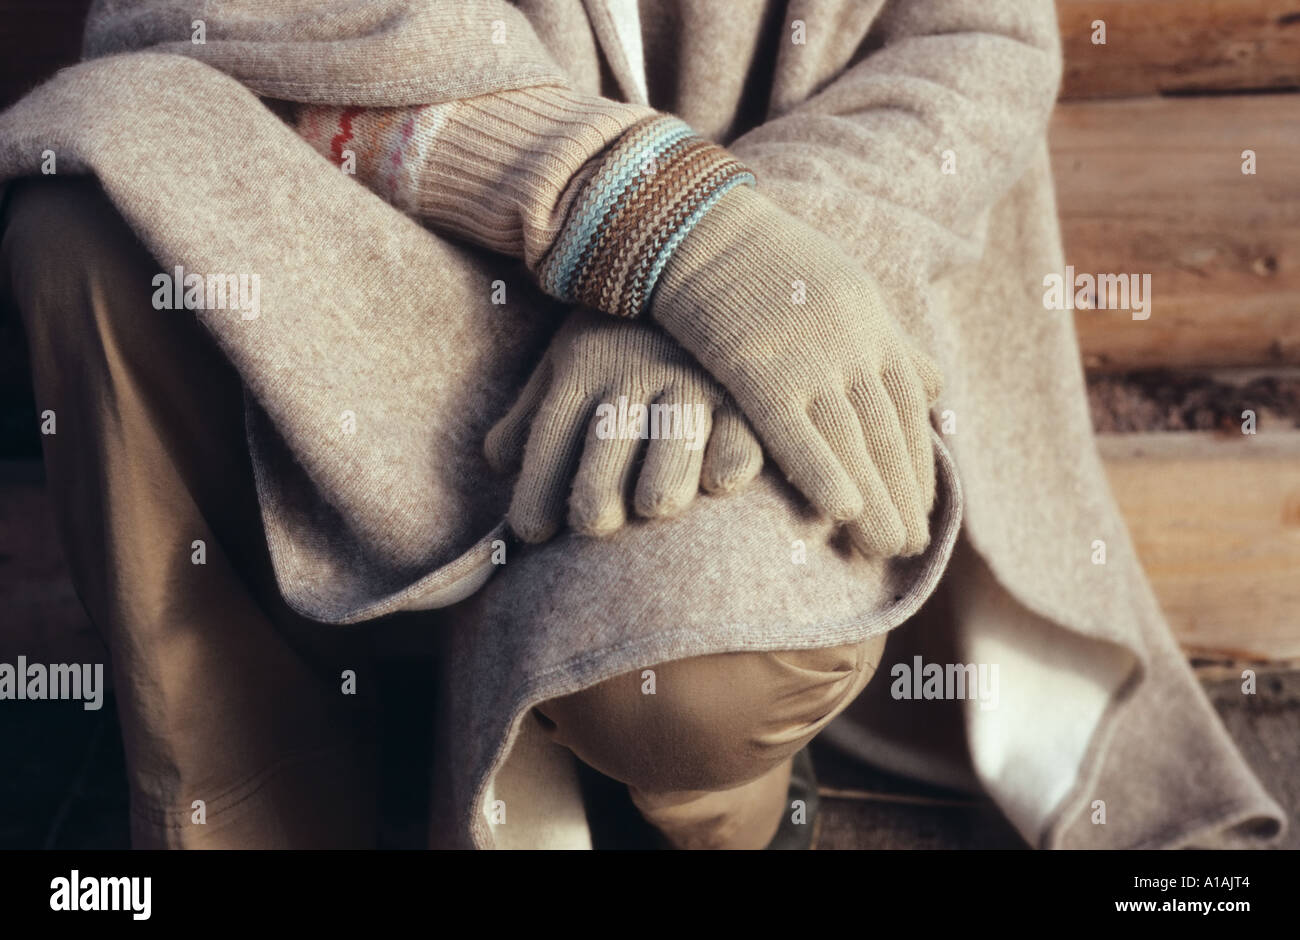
x=802, y=338
x=615, y=412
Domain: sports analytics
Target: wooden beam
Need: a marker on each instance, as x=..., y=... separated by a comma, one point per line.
x=1216, y=522
x=1155, y=186
x=1162, y=46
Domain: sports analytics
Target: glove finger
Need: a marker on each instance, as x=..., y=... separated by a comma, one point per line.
x=835, y=418
x=670, y=476
x=733, y=456
x=504, y=445
x=597, y=505
x=537, y=508
x=863, y=536
x=930, y=376
x=911, y=403
x=888, y=447
x=809, y=463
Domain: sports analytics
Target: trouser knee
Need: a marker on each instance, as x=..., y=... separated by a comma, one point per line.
x=710, y=722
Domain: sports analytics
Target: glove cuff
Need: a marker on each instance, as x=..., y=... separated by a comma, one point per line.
x=643, y=197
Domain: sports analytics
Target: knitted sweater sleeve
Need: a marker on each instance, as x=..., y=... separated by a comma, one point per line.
x=593, y=194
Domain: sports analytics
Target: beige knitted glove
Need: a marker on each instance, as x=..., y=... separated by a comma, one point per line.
x=577, y=430
x=801, y=338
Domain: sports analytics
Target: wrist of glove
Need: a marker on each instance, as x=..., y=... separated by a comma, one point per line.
x=632, y=210
x=616, y=412
x=801, y=338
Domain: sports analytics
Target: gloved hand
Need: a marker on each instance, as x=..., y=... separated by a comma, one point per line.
x=576, y=431
x=800, y=336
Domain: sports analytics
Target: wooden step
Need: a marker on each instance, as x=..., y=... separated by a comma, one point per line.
x=1216, y=521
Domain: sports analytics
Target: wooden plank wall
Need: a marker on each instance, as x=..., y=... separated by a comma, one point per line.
x=1147, y=145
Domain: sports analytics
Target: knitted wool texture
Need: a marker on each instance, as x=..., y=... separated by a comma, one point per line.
x=802, y=338
x=643, y=199
x=605, y=392
x=501, y=170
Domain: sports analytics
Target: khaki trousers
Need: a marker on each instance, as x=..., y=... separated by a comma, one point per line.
x=236, y=728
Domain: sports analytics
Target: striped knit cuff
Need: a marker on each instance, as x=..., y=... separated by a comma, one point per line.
x=644, y=197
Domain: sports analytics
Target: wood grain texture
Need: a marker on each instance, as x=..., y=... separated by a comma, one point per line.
x=1155, y=186
x=1216, y=522
x=1162, y=46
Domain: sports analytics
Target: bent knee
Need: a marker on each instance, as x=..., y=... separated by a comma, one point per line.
x=710, y=722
